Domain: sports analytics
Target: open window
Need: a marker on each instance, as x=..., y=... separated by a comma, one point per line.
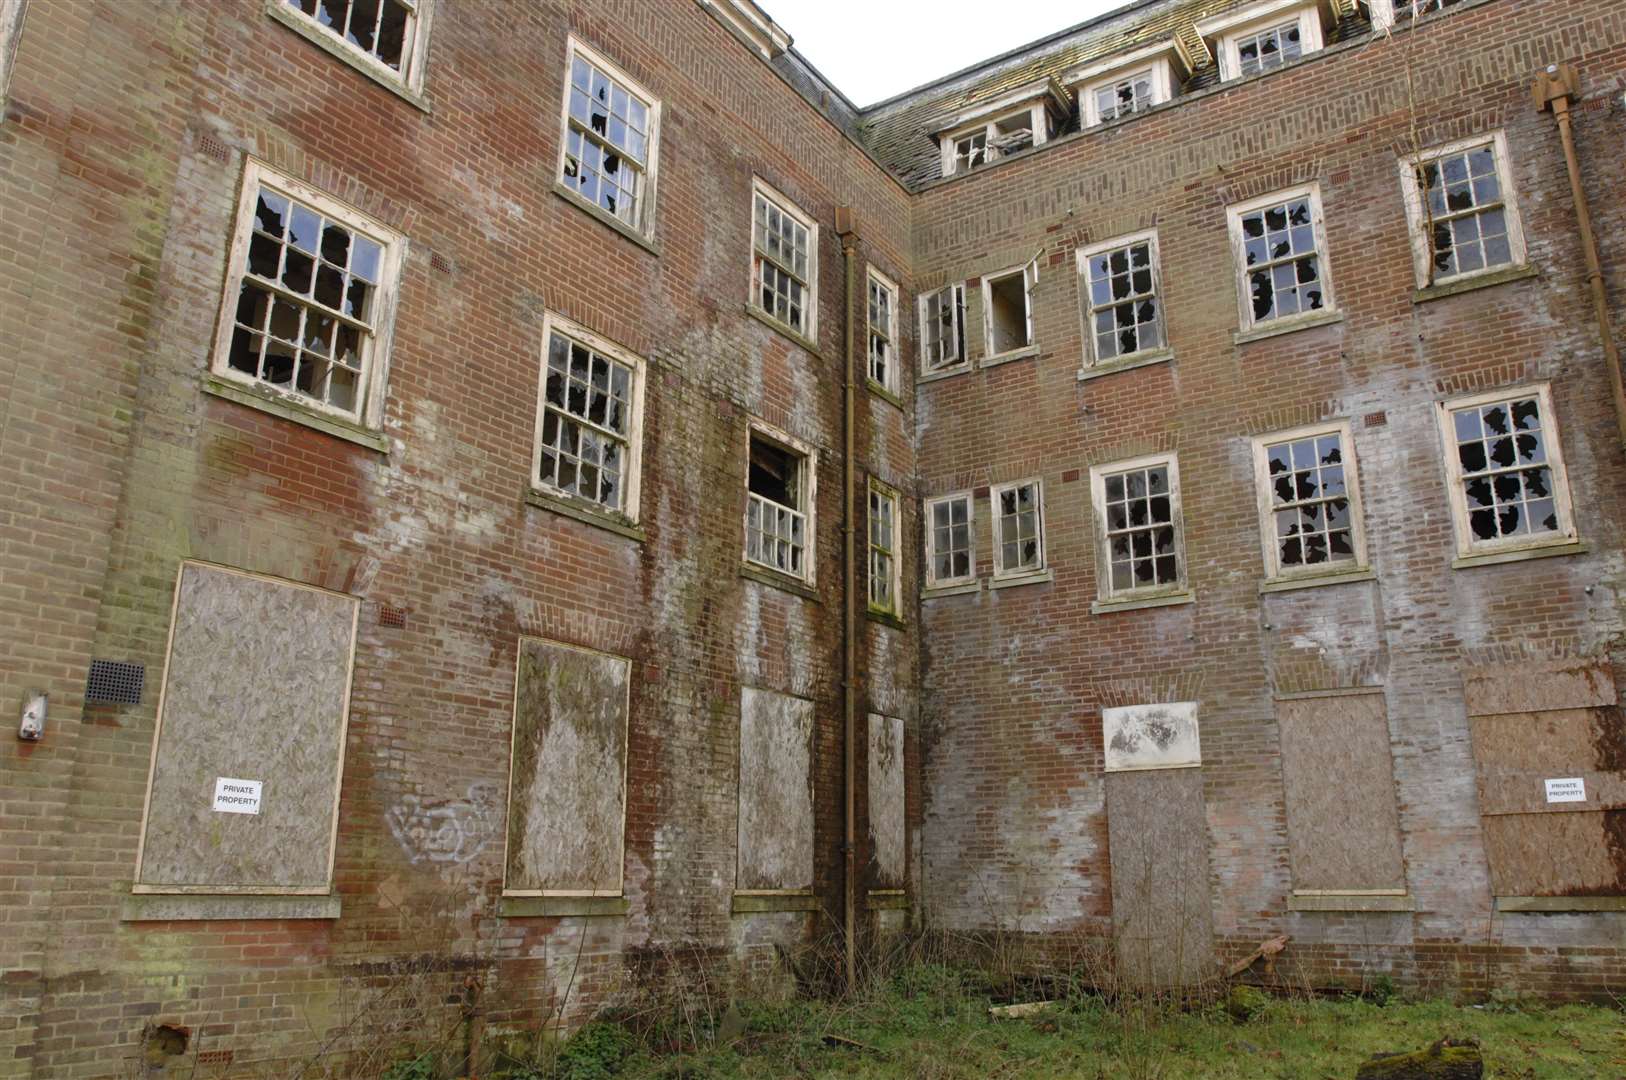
x=1007, y=304
x=1023, y=118
x=942, y=330
x=779, y=501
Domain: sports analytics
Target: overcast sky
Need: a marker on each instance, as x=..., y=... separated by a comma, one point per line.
x=872, y=49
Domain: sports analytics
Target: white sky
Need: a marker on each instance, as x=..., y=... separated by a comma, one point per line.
x=872, y=49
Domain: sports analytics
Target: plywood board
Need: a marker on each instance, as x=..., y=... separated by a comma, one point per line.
x=1538, y=685
x=1158, y=831
x=776, y=791
x=1579, y=854
x=256, y=688
x=1343, y=828
x=886, y=800
x=1551, y=741
x=1162, y=736
x=567, y=790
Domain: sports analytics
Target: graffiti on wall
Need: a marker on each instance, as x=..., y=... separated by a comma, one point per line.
x=446, y=830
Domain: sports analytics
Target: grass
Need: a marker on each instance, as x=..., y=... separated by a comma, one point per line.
x=928, y=1023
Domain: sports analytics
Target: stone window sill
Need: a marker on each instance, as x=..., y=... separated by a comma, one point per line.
x=524, y=907
x=763, y=576
x=1492, y=558
x=1471, y=282
x=963, y=589
x=882, y=392
x=1291, y=324
x=603, y=217
x=1036, y=578
x=751, y=903
x=1314, y=581
x=768, y=320
x=598, y=518
x=885, y=618
x=1126, y=363
x=1346, y=902
x=383, y=76
x=995, y=359
x=1135, y=603
x=888, y=900
x=278, y=405
x=1560, y=903
x=188, y=907
x=944, y=373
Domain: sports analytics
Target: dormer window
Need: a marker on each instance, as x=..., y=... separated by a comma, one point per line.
x=1261, y=37
x=1020, y=120
x=1129, y=83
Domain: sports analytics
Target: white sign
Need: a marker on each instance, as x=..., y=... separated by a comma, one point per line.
x=1572, y=789
x=237, y=796
x=1151, y=736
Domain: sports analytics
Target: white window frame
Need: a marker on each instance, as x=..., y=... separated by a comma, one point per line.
x=11, y=32
x=894, y=553
x=371, y=385
x=1001, y=572
x=760, y=188
x=414, y=45
x=1181, y=586
x=970, y=501
x=1274, y=570
x=878, y=280
x=1153, y=60
x=956, y=295
x=1233, y=219
x=1467, y=546
x=632, y=473
x=808, y=488
x=986, y=125
x=1029, y=272
x=1088, y=309
x=645, y=224
x=1227, y=30
x=1422, y=244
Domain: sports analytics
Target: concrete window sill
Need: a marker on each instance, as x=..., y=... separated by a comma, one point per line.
x=1126, y=363
x=1560, y=903
x=604, y=217
x=944, y=373
x=1006, y=357
x=1492, y=558
x=1351, y=902
x=329, y=43
x=747, y=903
x=1314, y=581
x=773, y=578
x=1442, y=289
x=963, y=589
x=525, y=907
x=277, y=405
x=884, y=394
x=570, y=509
x=1136, y=603
x=768, y=320
x=1037, y=578
x=188, y=907
x=885, y=618
x=1291, y=324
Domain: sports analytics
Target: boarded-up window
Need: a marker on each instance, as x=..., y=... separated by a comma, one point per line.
x=886, y=806
x=1343, y=830
x=776, y=792
x=567, y=779
x=244, y=789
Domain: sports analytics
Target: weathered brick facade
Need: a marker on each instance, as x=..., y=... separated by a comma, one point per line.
x=125, y=131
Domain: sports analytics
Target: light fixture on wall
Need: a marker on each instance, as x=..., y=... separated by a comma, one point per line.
x=32, y=728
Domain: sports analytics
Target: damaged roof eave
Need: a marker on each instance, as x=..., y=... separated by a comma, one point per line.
x=1046, y=88
x=1173, y=47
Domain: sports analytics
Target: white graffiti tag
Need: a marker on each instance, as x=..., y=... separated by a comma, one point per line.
x=445, y=830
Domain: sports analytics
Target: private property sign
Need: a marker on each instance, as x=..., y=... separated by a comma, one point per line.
x=1570, y=789
x=237, y=796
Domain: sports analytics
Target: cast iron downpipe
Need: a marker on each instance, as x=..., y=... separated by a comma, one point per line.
x=849, y=631
x=1554, y=89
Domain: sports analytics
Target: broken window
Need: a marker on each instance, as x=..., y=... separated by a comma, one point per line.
x=1506, y=471
x=1122, y=313
x=942, y=329
x=1310, y=501
x=1008, y=308
x=609, y=139
x=385, y=34
x=1280, y=245
x=884, y=532
x=950, y=553
x=991, y=139
x=1268, y=49
x=777, y=512
x=1138, y=527
x=311, y=284
x=1260, y=37
x=1463, y=219
x=1123, y=97
x=883, y=332
x=784, y=262
x=1018, y=528
x=970, y=151
x=590, y=414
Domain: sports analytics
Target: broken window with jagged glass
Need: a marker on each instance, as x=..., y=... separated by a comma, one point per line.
x=1018, y=529
x=1312, y=515
x=942, y=329
x=608, y=139
x=1142, y=537
x=1467, y=221
x=381, y=33
x=1282, y=263
x=783, y=263
x=1268, y=49
x=1131, y=95
x=1506, y=465
x=950, y=553
x=883, y=332
x=588, y=423
x=1122, y=312
x=884, y=567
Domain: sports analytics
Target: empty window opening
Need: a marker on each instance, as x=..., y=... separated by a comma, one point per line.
x=1122, y=309
x=1502, y=455
x=783, y=270
x=1268, y=49
x=1282, y=272
x=1018, y=529
x=776, y=525
x=1312, y=518
x=1142, y=541
x=1013, y=133
x=609, y=139
x=589, y=423
x=1008, y=299
x=883, y=332
x=942, y=337
x=383, y=31
x=884, y=568
x=1131, y=95
x=950, y=558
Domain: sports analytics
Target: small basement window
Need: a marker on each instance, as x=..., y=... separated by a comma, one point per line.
x=1008, y=308
x=778, y=529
